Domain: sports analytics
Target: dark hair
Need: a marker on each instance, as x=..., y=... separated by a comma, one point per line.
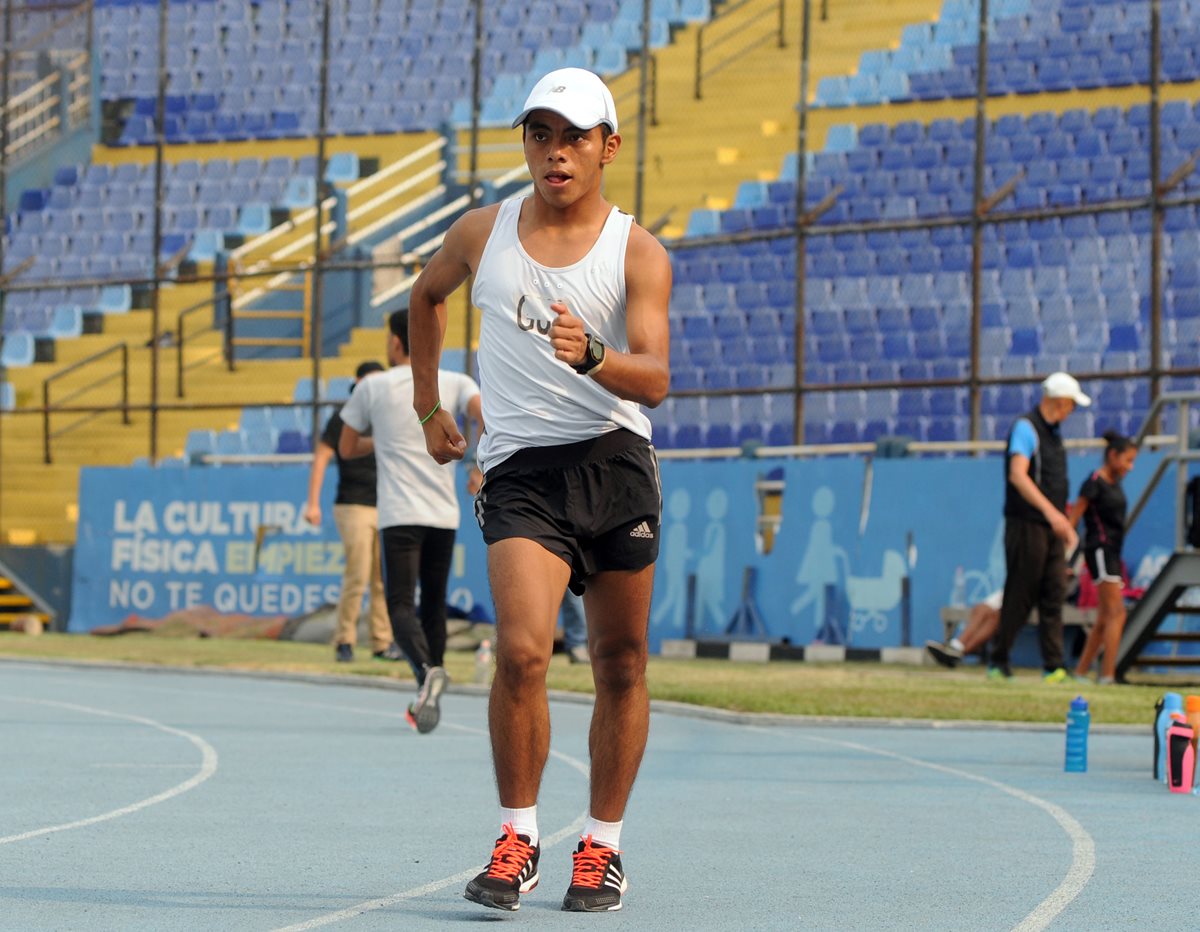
x=1117, y=442
x=398, y=324
x=366, y=368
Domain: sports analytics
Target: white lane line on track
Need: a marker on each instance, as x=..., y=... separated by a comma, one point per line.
x=133, y=766
x=1083, y=847
x=351, y=912
x=208, y=766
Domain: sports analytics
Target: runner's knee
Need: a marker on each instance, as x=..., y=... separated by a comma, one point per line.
x=521, y=662
x=618, y=666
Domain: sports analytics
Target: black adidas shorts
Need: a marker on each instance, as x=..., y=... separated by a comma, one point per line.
x=596, y=503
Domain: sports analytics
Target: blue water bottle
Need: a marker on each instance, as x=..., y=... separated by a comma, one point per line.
x=1171, y=702
x=1078, y=719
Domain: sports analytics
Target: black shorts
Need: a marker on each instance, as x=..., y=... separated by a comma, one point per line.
x=1104, y=563
x=596, y=503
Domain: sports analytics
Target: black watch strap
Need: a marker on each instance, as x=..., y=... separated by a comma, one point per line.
x=592, y=357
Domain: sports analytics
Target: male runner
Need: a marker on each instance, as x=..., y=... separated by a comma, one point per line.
x=573, y=341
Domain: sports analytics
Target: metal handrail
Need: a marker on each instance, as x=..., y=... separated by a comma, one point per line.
x=414, y=255
x=328, y=203
x=652, y=64
x=123, y=349
x=181, y=338
x=777, y=32
x=78, y=8
x=1179, y=457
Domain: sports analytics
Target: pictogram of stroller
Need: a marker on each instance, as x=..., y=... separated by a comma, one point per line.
x=872, y=597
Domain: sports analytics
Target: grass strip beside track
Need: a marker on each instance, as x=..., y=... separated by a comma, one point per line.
x=857, y=690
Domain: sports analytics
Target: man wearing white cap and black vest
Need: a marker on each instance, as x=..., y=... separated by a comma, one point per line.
x=1037, y=534
x=573, y=342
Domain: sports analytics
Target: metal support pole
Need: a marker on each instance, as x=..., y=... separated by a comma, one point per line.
x=4, y=95
x=1181, y=476
x=1156, y=207
x=473, y=178
x=316, y=303
x=160, y=132
x=639, y=169
x=801, y=210
x=977, y=220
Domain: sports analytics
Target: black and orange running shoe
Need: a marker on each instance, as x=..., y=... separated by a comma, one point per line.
x=597, y=879
x=512, y=871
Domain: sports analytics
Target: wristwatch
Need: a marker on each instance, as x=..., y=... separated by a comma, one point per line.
x=593, y=357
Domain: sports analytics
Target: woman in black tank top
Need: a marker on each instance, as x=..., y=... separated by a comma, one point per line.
x=1101, y=504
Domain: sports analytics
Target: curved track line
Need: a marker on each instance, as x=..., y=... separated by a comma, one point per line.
x=351, y=912
x=1083, y=847
x=208, y=766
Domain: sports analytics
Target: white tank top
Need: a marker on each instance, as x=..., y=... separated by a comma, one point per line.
x=531, y=399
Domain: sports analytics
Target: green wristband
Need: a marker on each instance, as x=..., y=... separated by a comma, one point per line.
x=436, y=408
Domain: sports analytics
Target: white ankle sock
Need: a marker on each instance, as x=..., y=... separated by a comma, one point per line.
x=524, y=821
x=603, y=833
x=956, y=644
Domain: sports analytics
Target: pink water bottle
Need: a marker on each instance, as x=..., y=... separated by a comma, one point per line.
x=1181, y=756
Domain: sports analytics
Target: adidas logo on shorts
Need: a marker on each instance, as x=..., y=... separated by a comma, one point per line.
x=642, y=530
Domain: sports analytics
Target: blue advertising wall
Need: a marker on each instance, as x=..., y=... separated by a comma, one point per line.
x=155, y=541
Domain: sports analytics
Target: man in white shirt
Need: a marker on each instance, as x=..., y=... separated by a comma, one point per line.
x=573, y=341
x=418, y=508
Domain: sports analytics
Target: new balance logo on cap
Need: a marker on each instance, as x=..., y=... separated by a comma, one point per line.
x=642, y=530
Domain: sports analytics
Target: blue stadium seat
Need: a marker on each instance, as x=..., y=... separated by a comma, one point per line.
x=254, y=219
x=230, y=443
x=339, y=388
x=293, y=441
x=199, y=443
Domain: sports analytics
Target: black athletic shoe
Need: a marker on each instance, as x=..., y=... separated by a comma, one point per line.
x=944, y=654
x=391, y=652
x=344, y=653
x=512, y=871
x=424, y=714
x=597, y=879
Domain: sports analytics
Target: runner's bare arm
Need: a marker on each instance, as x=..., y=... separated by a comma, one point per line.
x=316, y=478
x=644, y=373
x=447, y=270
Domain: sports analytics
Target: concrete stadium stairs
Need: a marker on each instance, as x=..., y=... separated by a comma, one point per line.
x=746, y=122
x=38, y=501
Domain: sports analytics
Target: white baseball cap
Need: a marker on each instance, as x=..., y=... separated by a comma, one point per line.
x=1062, y=385
x=575, y=94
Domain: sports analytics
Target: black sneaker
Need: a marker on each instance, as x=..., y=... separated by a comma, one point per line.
x=512, y=871
x=597, y=880
x=944, y=654
x=344, y=653
x=424, y=714
x=391, y=652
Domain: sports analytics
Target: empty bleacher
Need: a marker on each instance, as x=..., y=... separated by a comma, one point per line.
x=886, y=305
x=241, y=70
x=1034, y=46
